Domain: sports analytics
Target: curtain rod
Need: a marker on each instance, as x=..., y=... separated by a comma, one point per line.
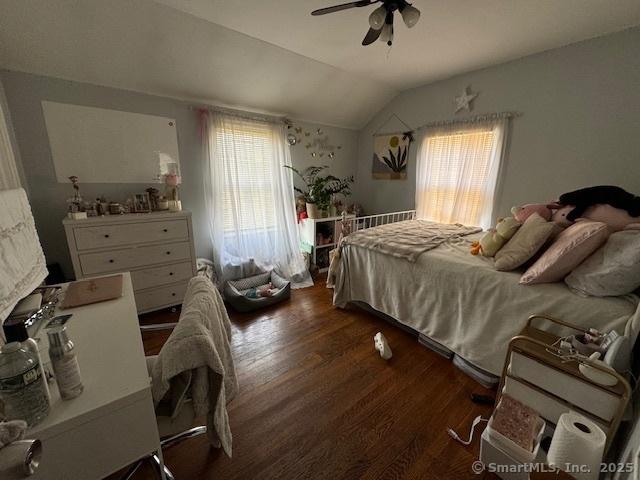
x=242, y=114
x=474, y=119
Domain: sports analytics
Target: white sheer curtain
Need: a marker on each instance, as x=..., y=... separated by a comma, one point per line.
x=457, y=172
x=9, y=177
x=249, y=196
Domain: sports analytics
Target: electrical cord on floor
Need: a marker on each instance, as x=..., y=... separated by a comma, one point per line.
x=475, y=423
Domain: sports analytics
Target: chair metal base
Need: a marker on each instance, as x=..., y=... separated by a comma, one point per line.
x=167, y=442
x=157, y=326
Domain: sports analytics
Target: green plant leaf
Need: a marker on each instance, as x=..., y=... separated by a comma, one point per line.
x=393, y=161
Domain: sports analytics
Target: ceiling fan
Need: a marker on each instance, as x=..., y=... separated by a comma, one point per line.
x=381, y=19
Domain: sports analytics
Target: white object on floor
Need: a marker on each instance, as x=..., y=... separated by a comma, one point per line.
x=455, y=436
x=381, y=344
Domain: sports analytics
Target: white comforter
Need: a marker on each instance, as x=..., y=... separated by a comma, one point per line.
x=460, y=301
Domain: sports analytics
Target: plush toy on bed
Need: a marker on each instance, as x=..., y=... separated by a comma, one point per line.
x=554, y=212
x=608, y=204
x=525, y=211
x=495, y=238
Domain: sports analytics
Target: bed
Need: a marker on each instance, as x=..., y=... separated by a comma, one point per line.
x=459, y=304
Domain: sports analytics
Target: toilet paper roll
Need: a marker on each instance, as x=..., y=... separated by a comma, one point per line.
x=577, y=446
x=20, y=459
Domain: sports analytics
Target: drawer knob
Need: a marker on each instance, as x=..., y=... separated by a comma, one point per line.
x=106, y=235
x=165, y=230
x=170, y=273
x=168, y=253
x=173, y=294
x=111, y=260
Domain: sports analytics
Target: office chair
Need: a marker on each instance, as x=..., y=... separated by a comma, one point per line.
x=175, y=418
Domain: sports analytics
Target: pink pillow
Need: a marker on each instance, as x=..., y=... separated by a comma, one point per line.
x=571, y=247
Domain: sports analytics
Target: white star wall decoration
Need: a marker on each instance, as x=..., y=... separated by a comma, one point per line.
x=464, y=100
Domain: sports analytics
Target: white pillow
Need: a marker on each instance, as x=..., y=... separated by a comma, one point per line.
x=614, y=269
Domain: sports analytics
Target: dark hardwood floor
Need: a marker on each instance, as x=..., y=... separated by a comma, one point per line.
x=316, y=401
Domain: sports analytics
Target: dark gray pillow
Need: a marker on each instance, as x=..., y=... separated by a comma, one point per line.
x=612, y=270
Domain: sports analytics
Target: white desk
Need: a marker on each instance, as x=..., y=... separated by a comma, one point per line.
x=112, y=423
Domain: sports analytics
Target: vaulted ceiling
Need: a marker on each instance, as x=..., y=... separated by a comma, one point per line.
x=451, y=37
x=271, y=55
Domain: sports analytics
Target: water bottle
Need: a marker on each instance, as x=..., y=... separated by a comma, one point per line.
x=15, y=330
x=65, y=363
x=22, y=387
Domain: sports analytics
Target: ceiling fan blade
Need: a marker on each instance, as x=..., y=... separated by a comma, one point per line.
x=344, y=6
x=371, y=36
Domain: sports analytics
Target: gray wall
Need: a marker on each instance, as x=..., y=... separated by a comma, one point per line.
x=24, y=94
x=581, y=122
x=344, y=162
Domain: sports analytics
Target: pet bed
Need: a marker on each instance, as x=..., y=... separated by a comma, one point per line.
x=235, y=291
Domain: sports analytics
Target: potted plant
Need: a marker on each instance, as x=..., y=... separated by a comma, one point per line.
x=319, y=189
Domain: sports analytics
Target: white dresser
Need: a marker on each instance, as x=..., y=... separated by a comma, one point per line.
x=157, y=248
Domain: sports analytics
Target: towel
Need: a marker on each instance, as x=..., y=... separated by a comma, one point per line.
x=11, y=431
x=200, y=346
x=22, y=263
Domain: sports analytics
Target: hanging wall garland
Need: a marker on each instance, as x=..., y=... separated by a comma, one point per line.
x=318, y=144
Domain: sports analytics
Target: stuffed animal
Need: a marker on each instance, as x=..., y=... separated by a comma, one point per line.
x=264, y=291
x=525, y=211
x=554, y=212
x=617, y=211
x=604, y=194
x=559, y=214
x=495, y=238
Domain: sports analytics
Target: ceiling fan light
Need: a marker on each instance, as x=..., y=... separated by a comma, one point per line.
x=387, y=34
x=377, y=17
x=410, y=15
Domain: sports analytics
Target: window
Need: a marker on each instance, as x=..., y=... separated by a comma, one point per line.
x=248, y=183
x=457, y=173
x=249, y=197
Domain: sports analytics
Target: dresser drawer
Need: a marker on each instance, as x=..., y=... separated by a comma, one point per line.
x=159, y=297
x=155, y=276
x=106, y=236
x=126, y=259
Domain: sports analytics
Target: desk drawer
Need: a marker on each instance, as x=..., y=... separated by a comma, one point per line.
x=106, y=236
x=155, y=276
x=126, y=259
x=95, y=449
x=159, y=297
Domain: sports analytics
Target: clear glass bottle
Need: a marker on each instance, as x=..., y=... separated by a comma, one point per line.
x=65, y=363
x=22, y=386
